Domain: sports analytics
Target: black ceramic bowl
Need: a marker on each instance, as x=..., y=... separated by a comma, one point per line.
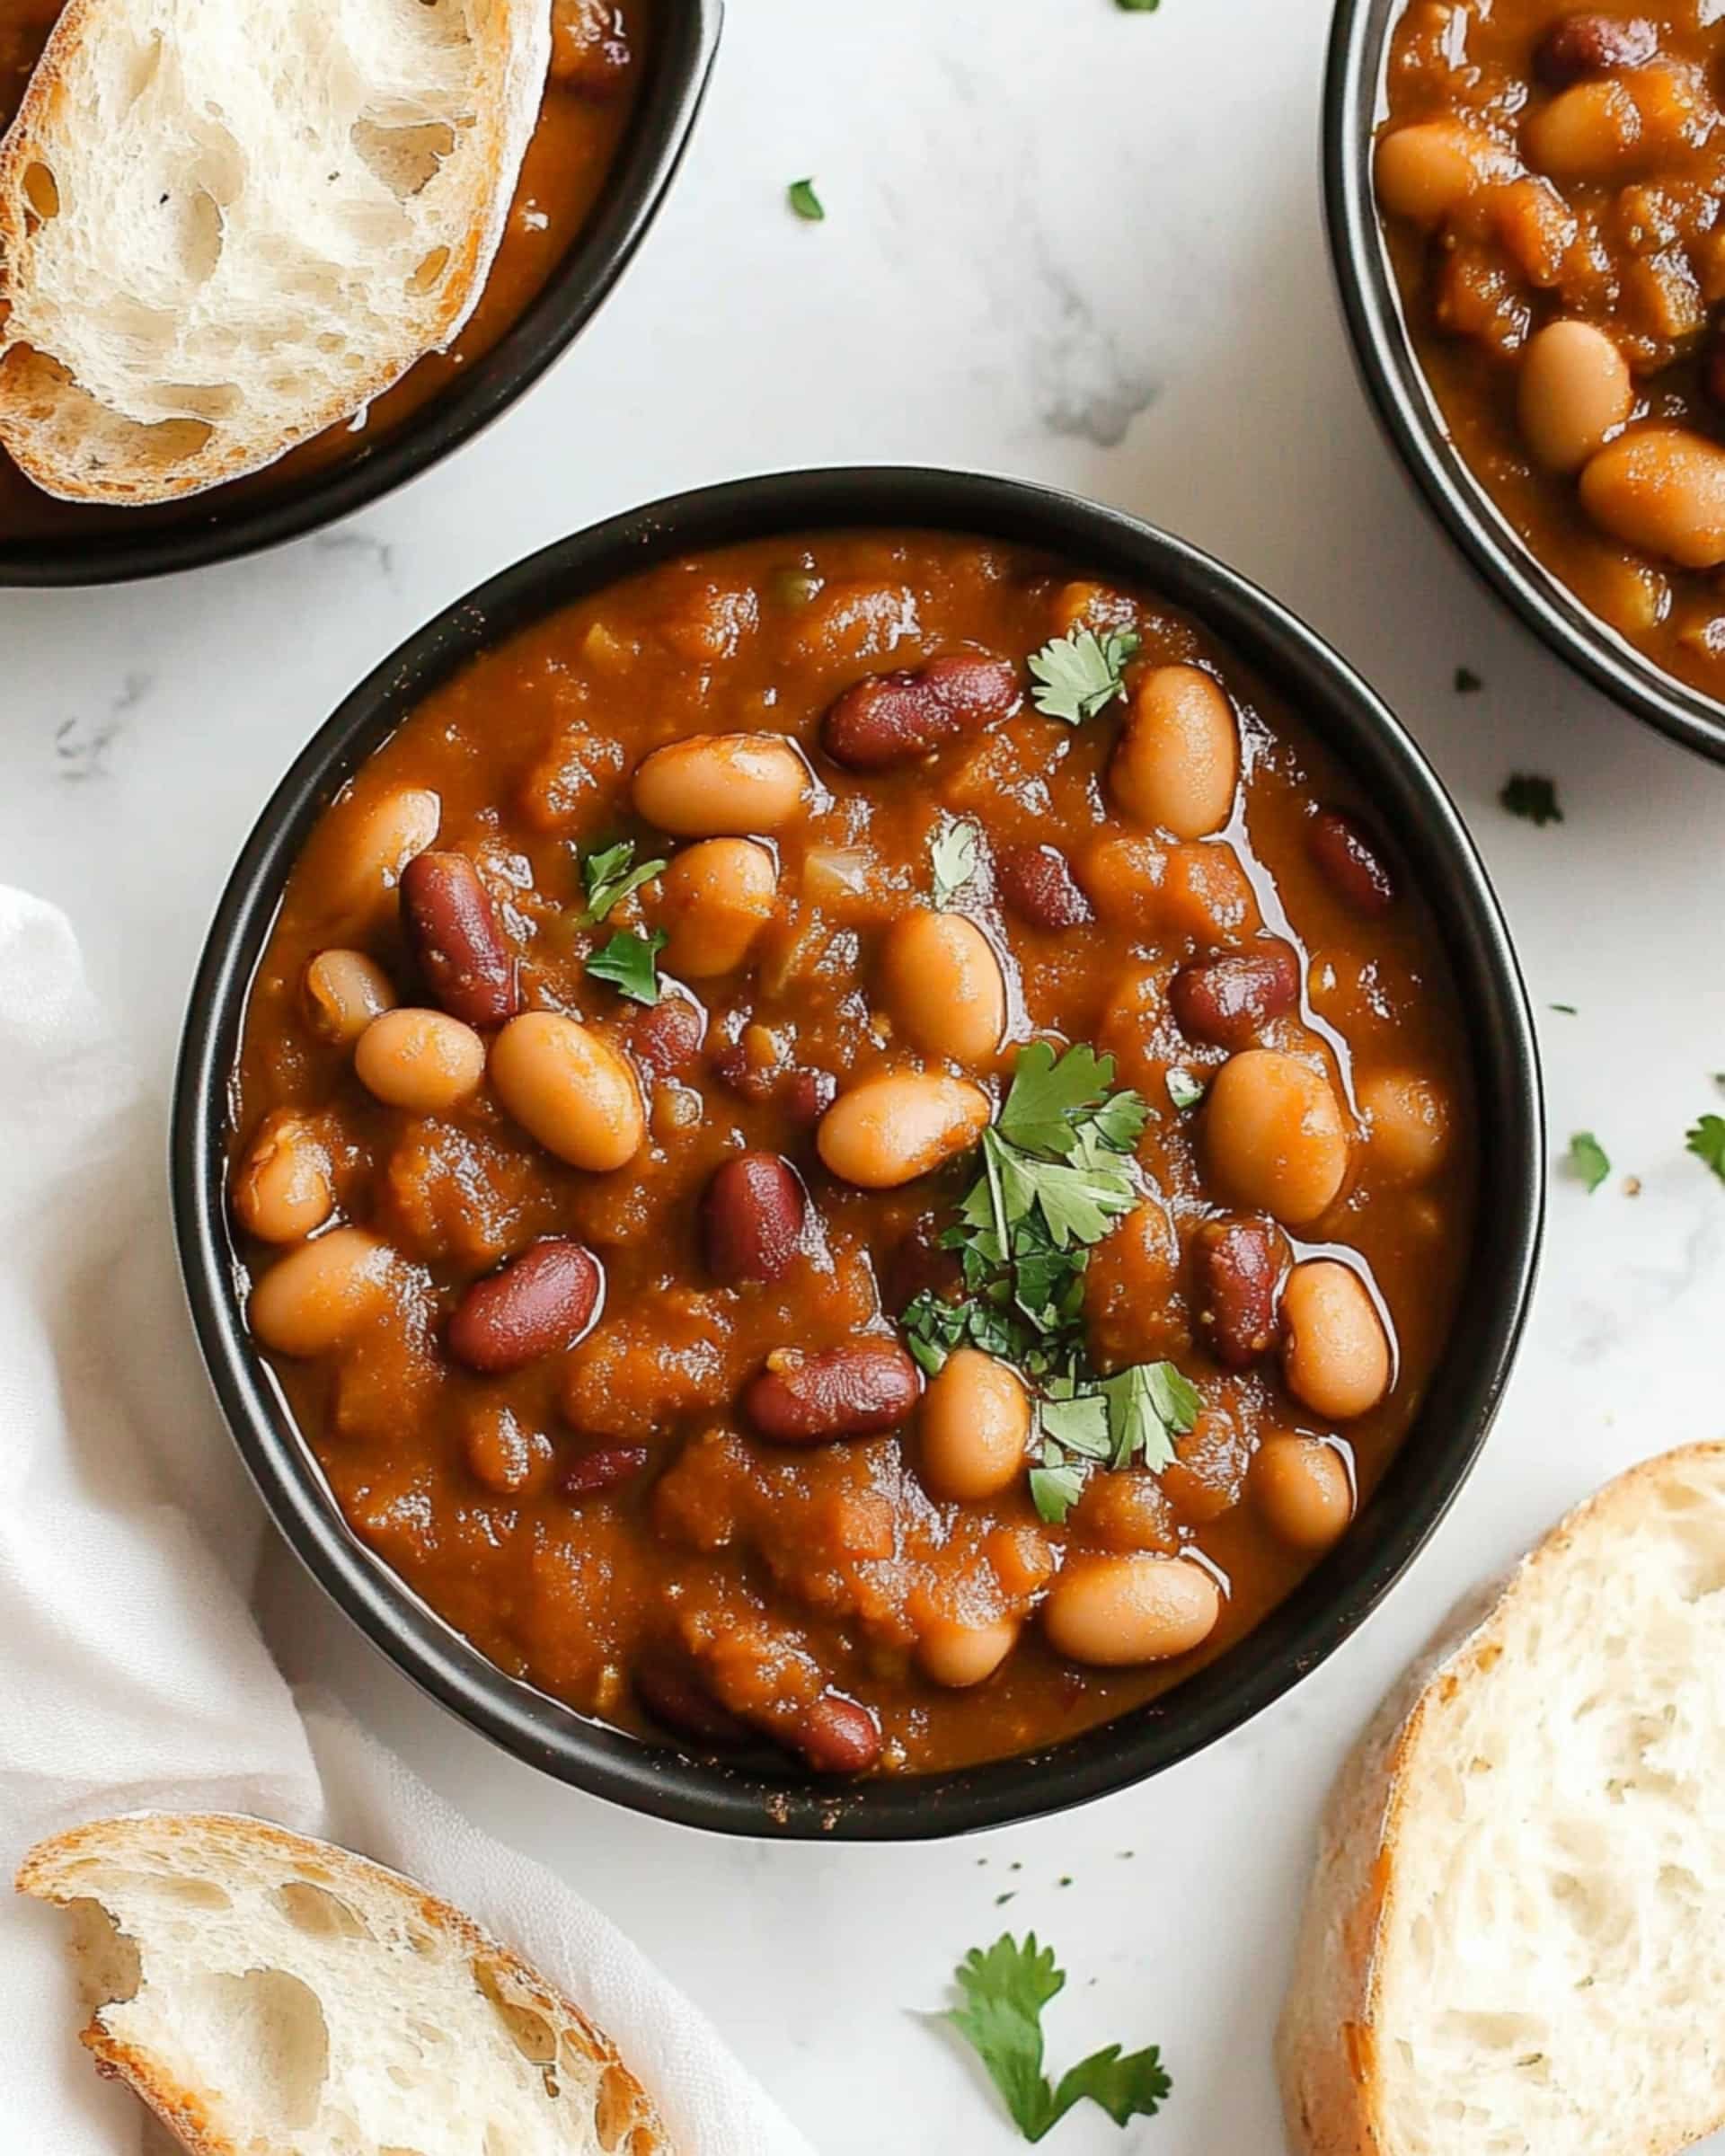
x=1353, y=105
x=151, y=542
x=1426, y=1474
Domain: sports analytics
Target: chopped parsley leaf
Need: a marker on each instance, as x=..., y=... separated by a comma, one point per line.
x=1006, y=1988
x=1568, y=1010
x=1706, y=1140
x=805, y=202
x=1526, y=794
x=1078, y=676
x=1588, y=1158
x=1467, y=682
x=607, y=877
x=1184, y=1090
x=953, y=854
x=1138, y=7
x=630, y=964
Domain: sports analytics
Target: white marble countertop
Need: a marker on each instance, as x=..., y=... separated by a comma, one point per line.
x=1081, y=245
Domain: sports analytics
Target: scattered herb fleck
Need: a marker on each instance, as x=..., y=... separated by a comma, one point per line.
x=1064, y=1879
x=953, y=854
x=1006, y=1988
x=806, y=203
x=1138, y=7
x=630, y=964
x=1078, y=676
x=1526, y=794
x=1467, y=682
x=1568, y=1010
x=606, y=878
x=1184, y=1090
x=1706, y=1140
x=1588, y=1159
x=1001, y=1900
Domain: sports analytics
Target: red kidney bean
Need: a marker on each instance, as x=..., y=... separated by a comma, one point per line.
x=1581, y=45
x=895, y=718
x=452, y=930
x=673, y=1693
x=836, y=1735
x=603, y=1469
x=540, y=1302
x=807, y=1096
x=751, y=1218
x=852, y=1390
x=667, y=1039
x=1229, y=1000
x=1352, y=861
x=1238, y=1266
x=802, y=1096
x=1036, y=882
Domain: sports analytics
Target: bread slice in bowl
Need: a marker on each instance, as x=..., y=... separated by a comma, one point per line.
x=227, y=224
x=271, y=1995
x=1512, y=1943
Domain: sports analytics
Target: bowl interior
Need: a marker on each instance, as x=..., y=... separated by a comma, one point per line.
x=1354, y=104
x=1423, y=1477
x=153, y=542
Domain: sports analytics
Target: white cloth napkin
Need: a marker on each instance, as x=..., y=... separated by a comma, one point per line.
x=132, y=1672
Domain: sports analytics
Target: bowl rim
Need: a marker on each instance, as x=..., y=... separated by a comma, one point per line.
x=1434, y=1459
x=634, y=189
x=1407, y=412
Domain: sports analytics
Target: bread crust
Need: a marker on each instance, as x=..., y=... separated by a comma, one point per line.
x=1326, y=2045
x=511, y=51
x=47, y=1873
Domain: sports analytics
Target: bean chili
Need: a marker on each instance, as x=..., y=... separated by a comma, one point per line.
x=634, y=1336
x=1550, y=181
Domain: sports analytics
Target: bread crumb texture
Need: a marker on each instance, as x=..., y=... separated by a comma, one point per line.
x=269, y=1995
x=226, y=225
x=1515, y=1929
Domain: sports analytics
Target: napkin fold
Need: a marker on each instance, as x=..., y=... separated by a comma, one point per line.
x=132, y=1672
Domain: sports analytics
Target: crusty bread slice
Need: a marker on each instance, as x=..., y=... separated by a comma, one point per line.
x=269, y=1996
x=226, y=225
x=1513, y=1943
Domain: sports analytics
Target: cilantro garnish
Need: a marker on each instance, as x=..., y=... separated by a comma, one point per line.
x=1056, y=1162
x=806, y=203
x=1005, y=1987
x=1588, y=1159
x=1706, y=1140
x=1080, y=675
x=953, y=854
x=606, y=878
x=630, y=963
x=1131, y=1418
x=1056, y=1173
x=1526, y=794
x=1184, y=1090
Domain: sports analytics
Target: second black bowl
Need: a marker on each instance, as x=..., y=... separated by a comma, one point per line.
x=1453, y=1420
x=1389, y=366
